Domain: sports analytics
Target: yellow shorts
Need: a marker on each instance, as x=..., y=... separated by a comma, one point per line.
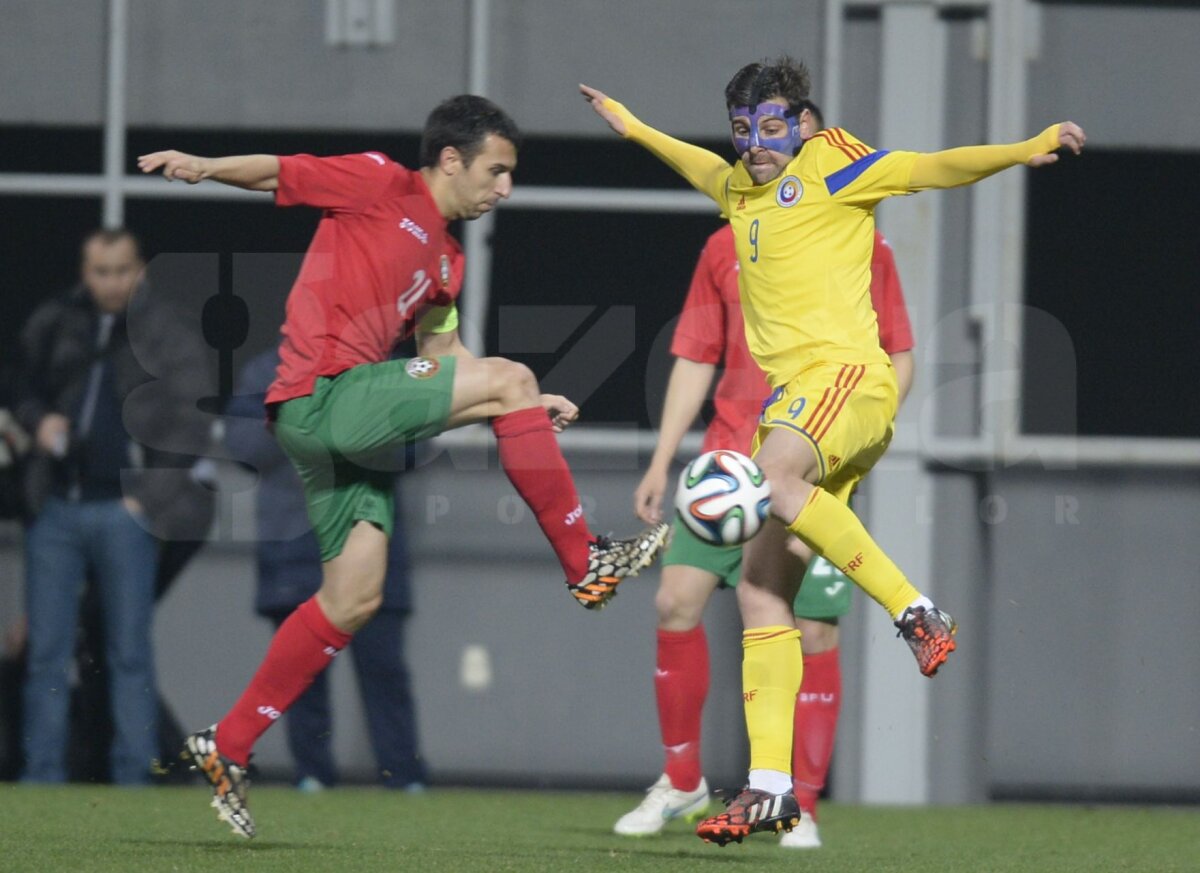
x=844, y=411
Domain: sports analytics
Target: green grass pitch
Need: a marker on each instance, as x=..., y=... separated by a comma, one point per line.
x=358, y=830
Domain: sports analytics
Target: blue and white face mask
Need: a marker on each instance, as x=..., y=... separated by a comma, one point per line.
x=788, y=145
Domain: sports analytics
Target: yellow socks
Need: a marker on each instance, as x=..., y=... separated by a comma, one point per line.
x=831, y=529
x=772, y=667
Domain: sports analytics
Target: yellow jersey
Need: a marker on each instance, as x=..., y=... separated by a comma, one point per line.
x=804, y=243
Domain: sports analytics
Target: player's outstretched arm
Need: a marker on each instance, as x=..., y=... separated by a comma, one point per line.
x=704, y=170
x=686, y=390
x=253, y=172
x=597, y=100
x=962, y=166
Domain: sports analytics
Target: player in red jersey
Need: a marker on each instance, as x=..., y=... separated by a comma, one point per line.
x=381, y=268
x=710, y=333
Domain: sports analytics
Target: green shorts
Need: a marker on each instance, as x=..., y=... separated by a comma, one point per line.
x=346, y=440
x=825, y=592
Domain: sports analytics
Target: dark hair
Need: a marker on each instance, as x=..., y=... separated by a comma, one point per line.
x=464, y=122
x=778, y=77
x=818, y=116
x=110, y=236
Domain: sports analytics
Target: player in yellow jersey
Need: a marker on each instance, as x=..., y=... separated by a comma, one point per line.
x=803, y=224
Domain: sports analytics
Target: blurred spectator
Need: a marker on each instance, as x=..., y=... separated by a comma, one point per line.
x=289, y=573
x=109, y=387
x=14, y=443
x=186, y=523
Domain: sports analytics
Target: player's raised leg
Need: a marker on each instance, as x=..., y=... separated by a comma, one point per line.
x=524, y=422
x=792, y=461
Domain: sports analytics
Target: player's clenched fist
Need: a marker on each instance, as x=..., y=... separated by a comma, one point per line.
x=562, y=411
x=175, y=165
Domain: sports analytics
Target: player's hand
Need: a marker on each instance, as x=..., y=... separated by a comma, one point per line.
x=597, y=98
x=562, y=411
x=175, y=165
x=1070, y=136
x=647, y=498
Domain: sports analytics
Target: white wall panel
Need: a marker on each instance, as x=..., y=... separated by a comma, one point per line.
x=265, y=64
x=1129, y=75
x=52, y=61
x=668, y=61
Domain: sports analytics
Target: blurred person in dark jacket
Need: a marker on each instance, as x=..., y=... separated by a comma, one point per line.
x=14, y=443
x=289, y=573
x=109, y=386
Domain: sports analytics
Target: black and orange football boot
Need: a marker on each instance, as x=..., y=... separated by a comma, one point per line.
x=610, y=561
x=227, y=779
x=930, y=634
x=751, y=811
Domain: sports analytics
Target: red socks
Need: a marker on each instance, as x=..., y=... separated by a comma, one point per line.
x=530, y=455
x=302, y=647
x=681, y=685
x=816, y=719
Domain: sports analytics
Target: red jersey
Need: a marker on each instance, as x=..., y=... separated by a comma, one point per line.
x=380, y=259
x=710, y=331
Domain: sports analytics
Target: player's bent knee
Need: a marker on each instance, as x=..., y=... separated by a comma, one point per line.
x=364, y=610
x=755, y=599
x=350, y=595
x=774, y=469
x=515, y=384
x=350, y=613
x=789, y=491
x=677, y=611
x=786, y=504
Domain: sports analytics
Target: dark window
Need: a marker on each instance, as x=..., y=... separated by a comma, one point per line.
x=1112, y=279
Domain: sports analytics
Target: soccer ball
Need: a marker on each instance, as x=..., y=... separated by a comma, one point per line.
x=723, y=497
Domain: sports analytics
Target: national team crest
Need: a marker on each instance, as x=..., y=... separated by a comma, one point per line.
x=422, y=368
x=789, y=191
x=445, y=271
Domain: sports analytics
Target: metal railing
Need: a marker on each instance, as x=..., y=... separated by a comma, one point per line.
x=1001, y=446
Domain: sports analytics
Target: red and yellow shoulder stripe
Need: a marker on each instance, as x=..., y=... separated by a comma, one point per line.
x=837, y=138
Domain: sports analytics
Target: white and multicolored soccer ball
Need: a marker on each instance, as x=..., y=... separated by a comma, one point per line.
x=723, y=497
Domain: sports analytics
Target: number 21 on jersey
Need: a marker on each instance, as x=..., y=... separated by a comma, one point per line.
x=415, y=292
